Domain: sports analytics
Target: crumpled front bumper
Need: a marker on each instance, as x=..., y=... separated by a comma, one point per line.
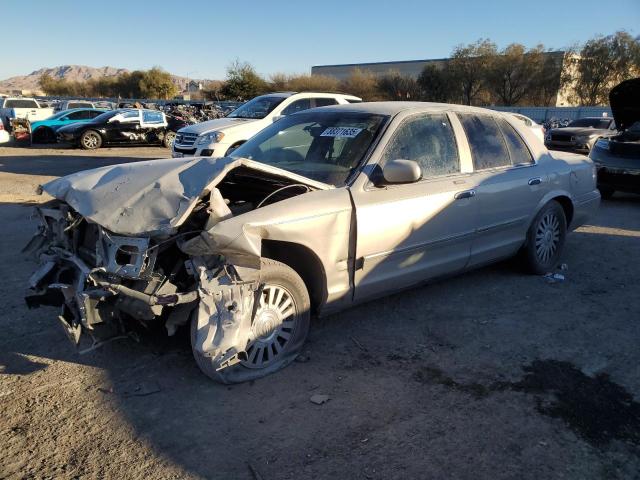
x=103, y=290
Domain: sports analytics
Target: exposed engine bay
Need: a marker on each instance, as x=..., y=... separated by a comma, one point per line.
x=110, y=285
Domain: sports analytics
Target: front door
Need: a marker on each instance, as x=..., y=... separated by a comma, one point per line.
x=409, y=233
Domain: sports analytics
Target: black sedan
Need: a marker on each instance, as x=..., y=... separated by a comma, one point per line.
x=617, y=158
x=133, y=126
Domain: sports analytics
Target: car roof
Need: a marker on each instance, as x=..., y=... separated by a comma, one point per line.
x=290, y=94
x=81, y=109
x=393, y=108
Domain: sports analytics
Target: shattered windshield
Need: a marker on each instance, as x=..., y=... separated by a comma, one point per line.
x=257, y=108
x=322, y=146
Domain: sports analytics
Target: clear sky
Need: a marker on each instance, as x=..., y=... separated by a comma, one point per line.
x=199, y=38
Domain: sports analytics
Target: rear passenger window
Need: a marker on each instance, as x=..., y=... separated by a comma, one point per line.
x=428, y=140
x=518, y=151
x=150, y=116
x=297, y=106
x=488, y=148
x=324, y=102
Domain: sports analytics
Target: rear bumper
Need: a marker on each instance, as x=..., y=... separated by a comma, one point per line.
x=621, y=179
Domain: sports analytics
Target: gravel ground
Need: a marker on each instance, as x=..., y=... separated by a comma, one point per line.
x=493, y=374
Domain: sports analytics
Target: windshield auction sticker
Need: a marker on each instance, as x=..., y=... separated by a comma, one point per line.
x=348, y=132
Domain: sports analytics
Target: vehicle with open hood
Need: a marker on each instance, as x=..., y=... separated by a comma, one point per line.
x=617, y=157
x=321, y=210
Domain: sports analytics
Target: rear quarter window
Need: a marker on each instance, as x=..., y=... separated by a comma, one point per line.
x=518, y=151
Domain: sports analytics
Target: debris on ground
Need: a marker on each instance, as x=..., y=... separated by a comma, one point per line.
x=564, y=266
x=319, y=399
x=554, y=277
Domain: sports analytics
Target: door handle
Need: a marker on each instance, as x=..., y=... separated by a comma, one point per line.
x=535, y=181
x=465, y=194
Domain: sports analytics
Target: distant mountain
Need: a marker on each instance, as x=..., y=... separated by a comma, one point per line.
x=74, y=73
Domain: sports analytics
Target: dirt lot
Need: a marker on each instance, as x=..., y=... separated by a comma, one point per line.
x=493, y=374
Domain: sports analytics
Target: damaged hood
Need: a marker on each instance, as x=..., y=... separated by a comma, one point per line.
x=217, y=124
x=153, y=197
x=624, y=100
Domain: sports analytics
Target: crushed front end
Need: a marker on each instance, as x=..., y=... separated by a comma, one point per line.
x=106, y=284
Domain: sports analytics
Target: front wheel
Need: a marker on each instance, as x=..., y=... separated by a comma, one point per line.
x=545, y=239
x=90, y=140
x=168, y=139
x=279, y=327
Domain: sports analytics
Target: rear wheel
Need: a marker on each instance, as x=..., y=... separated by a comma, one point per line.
x=90, y=140
x=545, y=239
x=279, y=327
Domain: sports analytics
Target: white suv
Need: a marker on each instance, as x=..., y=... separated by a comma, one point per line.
x=218, y=137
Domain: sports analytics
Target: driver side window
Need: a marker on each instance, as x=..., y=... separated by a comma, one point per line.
x=428, y=140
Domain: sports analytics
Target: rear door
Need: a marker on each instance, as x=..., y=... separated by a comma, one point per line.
x=409, y=233
x=508, y=185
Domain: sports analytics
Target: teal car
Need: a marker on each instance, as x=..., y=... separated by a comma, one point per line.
x=44, y=131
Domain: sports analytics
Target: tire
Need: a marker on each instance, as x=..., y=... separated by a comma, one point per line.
x=606, y=192
x=90, y=140
x=284, y=284
x=168, y=139
x=545, y=239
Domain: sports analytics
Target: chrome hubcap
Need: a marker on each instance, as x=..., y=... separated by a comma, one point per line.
x=273, y=326
x=547, y=237
x=90, y=141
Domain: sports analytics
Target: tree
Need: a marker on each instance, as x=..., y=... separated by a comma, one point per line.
x=434, y=84
x=312, y=83
x=243, y=82
x=467, y=69
x=362, y=84
x=547, y=80
x=212, y=90
x=511, y=72
x=399, y=87
x=602, y=63
x=156, y=83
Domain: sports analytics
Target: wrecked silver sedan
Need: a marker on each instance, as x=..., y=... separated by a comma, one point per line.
x=319, y=211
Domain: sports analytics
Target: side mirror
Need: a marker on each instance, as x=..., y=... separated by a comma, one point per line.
x=400, y=171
